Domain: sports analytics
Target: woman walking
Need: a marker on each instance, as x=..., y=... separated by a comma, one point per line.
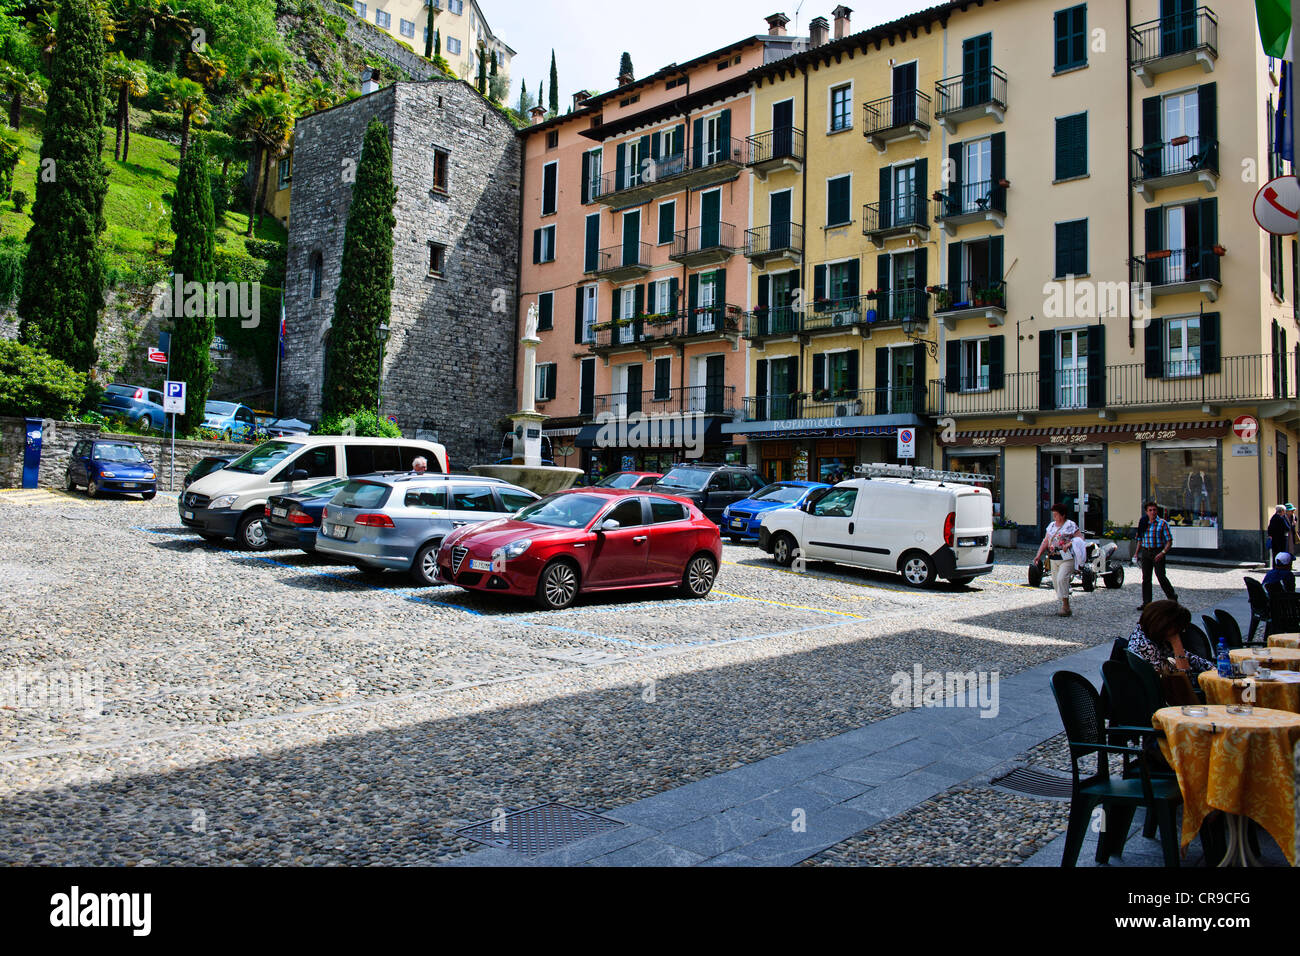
x=1064, y=541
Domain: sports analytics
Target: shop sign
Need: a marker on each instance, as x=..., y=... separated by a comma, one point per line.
x=1073, y=436
x=1245, y=451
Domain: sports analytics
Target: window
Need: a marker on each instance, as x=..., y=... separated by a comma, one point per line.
x=453, y=46
x=383, y=20
x=317, y=274
x=1183, y=347
x=663, y=379
x=591, y=252
x=841, y=108
x=1072, y=248
x=359, y=9
x=407, y=29
x=835, y=376
x=842, y=284
x=667, y=221
x=976, y=175
x=544, y=244
x=553, y=139
x=456, y=6
x=663, y=511
x=550, y=176
x=437, y=259
x=472, y=498
x=286, y=172
x=839, y=201
x=546, y=312
x=975, y=365
x=1072, y=368
x=1184, y=482
x=1072, y=146
x=546, y=382
x=432, y=498
x=595, y=167
x=837, y=503
x=627, y=514
x=590, y=303
x=441, y=162
x=1072, y=38
x=512, y=501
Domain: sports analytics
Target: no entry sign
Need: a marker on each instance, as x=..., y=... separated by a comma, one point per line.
x=1246, y=429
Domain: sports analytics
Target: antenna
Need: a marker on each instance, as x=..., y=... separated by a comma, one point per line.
x=796, y=16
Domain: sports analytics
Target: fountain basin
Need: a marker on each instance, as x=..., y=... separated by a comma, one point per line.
x=540, y=479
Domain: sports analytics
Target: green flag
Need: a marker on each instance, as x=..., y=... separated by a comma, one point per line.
x=1274, y=18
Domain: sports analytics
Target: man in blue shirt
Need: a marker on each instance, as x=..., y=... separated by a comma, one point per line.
x=1155, y=541
x=1281, y=572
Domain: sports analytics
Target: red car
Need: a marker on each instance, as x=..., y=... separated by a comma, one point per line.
x=584, y=540
x=629, y=479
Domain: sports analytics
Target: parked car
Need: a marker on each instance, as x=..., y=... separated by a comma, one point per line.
x=234, y=422
x=922, y=529
x=232, y=502
x=399, y=522
x=292, y=521
x=206, y=466
x=586, y=540
x=629, y=479
x=743, y=519
x=139, y=406
x=102, y=466
x=1101, y=562
x=711, y=488
x=268, y=426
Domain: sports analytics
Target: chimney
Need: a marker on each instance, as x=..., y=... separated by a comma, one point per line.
x=579, y=98
x=841, y=15
x=625, y=78
x=818, y=32
x=369, y=81
x=538, y=115
x=776, y=25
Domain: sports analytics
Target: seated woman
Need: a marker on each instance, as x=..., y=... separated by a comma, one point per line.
x=1158, y=638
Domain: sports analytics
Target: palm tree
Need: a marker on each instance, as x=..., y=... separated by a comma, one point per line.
x=188, y=98
x=265, y=119
x=267, y=69
x=17, y=85
x=171, y=31
x=127, y=79
x=44, y=30
x=144, y=17
x=315, y=96
x=206, y=68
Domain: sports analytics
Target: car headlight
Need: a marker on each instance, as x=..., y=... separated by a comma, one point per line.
x=148, y=476
x=225, y=501
x=104, y=473
x=515, y=548
x=726, y=512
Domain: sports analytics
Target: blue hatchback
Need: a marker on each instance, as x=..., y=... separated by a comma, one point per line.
x=111, y=466
x=742, y=519
x=233, y=421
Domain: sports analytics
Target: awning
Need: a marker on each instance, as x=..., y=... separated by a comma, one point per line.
x=651, y=433
x=847, y=426
x=869, y=431
x=1066, y=436
x=560, y=432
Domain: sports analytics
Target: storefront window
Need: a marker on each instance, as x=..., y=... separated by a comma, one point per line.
x=1184, y=482
x=835, y=461
x=981, y=465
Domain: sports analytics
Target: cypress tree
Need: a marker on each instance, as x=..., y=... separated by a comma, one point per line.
x=555, y=88
x=429, y=33
x=523, y=97
x=437, y=43
x=625, y=65
x=482, y=71
x=63, y=275
x=364, y=298
x=193, y=261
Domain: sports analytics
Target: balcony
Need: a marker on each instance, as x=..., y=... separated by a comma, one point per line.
x=1179, y=162
x=901, y=116
x=835, y=316
x=983, y=299
x=782, y=240
x=704, y=399
x=776, y=150
x=717, y=162
x=709, y=322
x=647, y=332
x=984, y=201
x=631, y=260
x=902, y=217
x=1241, y=380
x=828, y=405
x=1173, y=42
x=960, y=99
x=704, y=245
x=1179, y=271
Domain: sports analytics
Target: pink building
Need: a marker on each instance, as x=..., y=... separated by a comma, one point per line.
x=636, y=209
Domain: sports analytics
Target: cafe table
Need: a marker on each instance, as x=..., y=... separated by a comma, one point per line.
x=1240, y=764
x=1278, y=658
x=1284, y=640
x=1281, y=692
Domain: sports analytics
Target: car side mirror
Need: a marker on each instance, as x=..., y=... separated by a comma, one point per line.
x=610, y=525
x=299, y=474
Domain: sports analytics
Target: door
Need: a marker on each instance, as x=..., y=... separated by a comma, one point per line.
x=902, y=380
x=1072, y=368
x=977, y=175
x=830, y=527
x=904, y=292
x=706, y=314
x=783, y=129
x=587, y=387
x=1081, y=488
x=977, y=70
x=672, y=538
x=620, y=556
x=783, y=314
x=905, y=198
x=1181, y=117
x=904, y=94
x=1177, y=26
x=710, y=219
x=632, y=238
x=714, y=377
x=713, y=144
x=589, y=312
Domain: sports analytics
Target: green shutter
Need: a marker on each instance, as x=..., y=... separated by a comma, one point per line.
x=1154, y=348
x=586, y=178
x=620, y=176
x=882, y=381
x=667, y=222
x=724, y=134
x=697, y=144
x=886, y=197
x=577, y=315
x=545, y=318
x=1211, y=361
x=1047, y=370
x=952, y=367
x=1207, y=105
x=819, y=286
x=1097, y=366
x=997, y=362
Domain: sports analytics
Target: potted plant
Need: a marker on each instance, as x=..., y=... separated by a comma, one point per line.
x=821, y=304
x=1122, y=535
x=994, y=296
x=1158, y=254
x=942, y=298
x=821, y=395
x=1005, y=532
x=981, y=296
x=1219, y=250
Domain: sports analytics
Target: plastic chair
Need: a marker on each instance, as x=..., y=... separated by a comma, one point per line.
x=1229, y=628
x=1259, y=606
x=1283, y=610
x=1131, y=706
x=1195, y=641
x=1077, y=701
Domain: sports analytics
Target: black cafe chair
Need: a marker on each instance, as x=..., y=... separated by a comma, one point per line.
x=1259, y=607
x=1229, y=628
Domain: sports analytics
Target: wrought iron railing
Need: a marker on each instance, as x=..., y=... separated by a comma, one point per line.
x=651, y=170
x=623, y=256
x=969, y=90
x=1172, y=266
x=1174, y=34
x=902, y=109
x=1183, y=154
x=778, y=237
x=711, y=320
x=785, y=143
x=705, y=399
x=831, y=403
x=962, y=199
x=978, y=294
x=899, y=213
x=720, y=237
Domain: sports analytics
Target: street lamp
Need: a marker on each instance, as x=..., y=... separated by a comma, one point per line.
x=912, y=328
x=381, y=333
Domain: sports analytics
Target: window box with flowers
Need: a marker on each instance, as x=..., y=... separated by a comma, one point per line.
x=942, y=298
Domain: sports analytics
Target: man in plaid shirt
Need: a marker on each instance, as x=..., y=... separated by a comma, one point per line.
x=1155, y=541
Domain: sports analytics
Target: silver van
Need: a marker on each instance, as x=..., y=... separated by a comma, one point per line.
x=398, y=522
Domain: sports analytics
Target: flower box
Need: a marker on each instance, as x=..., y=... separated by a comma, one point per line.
x=1158, y=254
x=1005, y=537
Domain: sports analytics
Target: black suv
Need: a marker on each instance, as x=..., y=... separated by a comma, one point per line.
x=711, y=487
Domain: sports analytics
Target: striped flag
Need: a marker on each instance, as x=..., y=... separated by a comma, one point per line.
x=282, y=317
x=1274, y=17
x=1284, y=133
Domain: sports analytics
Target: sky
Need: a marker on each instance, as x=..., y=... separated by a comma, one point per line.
x=589, y=38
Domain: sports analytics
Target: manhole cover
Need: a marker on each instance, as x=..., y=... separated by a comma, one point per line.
x=537, y=830
x=1035, y=783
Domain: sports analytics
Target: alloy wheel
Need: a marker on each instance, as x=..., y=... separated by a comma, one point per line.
x=560, y=586
x=700, y=575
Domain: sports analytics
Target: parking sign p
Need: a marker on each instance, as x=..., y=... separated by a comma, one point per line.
x=174, y=398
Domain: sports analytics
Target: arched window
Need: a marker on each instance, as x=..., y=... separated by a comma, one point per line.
x=317, y=274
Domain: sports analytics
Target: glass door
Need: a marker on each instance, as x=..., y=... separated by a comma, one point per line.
x=903, y=294
x=976, y=175
x=902, y=377
x=1072, y=369
x=1181, y=118
x=713, y=140
x=905, y=198
x=1081, y=488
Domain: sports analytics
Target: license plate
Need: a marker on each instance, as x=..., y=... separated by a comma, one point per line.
x=280, y=512
x=128, y=484
x=737, y=523
x=188, y=515
x=966, y=542
x=337, y=531
x=477, y=565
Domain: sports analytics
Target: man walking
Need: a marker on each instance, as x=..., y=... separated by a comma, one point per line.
x=1155, y=541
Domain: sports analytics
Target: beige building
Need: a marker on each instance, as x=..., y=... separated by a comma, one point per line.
x=461, y=24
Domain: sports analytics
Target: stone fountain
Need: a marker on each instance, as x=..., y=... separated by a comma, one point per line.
x=525, y=467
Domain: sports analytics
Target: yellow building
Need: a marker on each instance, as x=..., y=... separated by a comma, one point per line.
x=1073, y=189
x=461, y=24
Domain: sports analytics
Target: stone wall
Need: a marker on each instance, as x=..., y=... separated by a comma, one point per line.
x=58, y=439
x=448, y=369
x=374, y=40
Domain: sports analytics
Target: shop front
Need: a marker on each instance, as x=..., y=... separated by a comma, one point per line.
x=824, y=450
x=654, y=445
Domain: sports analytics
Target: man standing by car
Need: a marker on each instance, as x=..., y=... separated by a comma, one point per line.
x=1155, y=541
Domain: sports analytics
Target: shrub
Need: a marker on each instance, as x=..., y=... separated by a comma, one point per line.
x=362, y=424
x=166, y=122
x=336, y=25
x=20, y=200
x=267, y=249
x=34, y=383
x=12, y=253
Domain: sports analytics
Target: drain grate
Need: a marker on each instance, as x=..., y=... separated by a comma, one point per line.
x=537, y=830
x=1035, y=783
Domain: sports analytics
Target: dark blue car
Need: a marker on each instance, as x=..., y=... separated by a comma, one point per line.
x=742, y=519
x=101, y=465
x=140, y=406
x=293, y=520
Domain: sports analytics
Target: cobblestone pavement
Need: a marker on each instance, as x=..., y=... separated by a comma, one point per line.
x=163, y=700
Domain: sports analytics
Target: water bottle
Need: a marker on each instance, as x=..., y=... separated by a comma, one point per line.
x=1224, y=661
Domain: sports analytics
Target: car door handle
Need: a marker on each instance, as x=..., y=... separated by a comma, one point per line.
x=639, y=539
x=850, y=527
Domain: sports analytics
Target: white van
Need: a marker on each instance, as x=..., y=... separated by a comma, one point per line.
x=924, y=528
x=231, y=502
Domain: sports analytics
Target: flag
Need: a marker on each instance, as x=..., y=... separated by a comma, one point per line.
x=281, y=326
x=1284, y=133
x=1274, y=17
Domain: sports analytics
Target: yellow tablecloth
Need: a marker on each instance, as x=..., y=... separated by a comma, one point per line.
x=1236, y=764
x=1284, y=640
x=1272, y=694
x=1279, y=658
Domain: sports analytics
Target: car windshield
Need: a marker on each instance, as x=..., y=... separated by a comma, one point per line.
x=361, y=494
x=115, y=452
x=219, y=408
x=126, y=390
x=786, y=494
x=564, y=511
x=624, y=480
x=326, y=488
x=692, y=479
x=264, y=457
